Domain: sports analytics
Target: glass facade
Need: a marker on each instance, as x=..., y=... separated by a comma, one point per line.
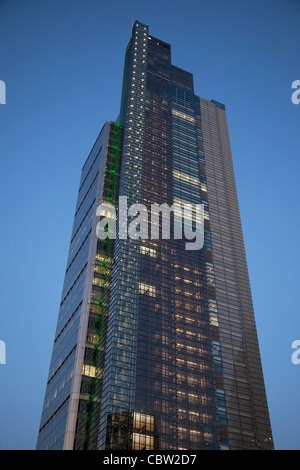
x=78, y=319
x=156, y=345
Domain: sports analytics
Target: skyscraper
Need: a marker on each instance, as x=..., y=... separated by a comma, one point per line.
x=156, y=345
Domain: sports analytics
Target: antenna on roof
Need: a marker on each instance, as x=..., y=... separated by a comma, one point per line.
x=131, y=25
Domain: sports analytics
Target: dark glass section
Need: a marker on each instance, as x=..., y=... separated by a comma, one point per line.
x=120, y=366
x=182, y=78
x=175, y=381
x=119, y=431
x=156, y=349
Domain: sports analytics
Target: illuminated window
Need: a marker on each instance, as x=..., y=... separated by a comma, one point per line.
x=183, y=115
x=88, y=370
x=147, y=289
x=212, y=305
x=148, y=251
x=101, y=257
x=142, y=442
x=186, y=178
x=213, y=319
x=143, y=421
x=91, y=338
x=143, y=438
x=98, y=282
x=99, y=269
x=107, y=213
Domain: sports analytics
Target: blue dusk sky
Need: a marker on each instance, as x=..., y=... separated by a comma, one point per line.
x=62, y=63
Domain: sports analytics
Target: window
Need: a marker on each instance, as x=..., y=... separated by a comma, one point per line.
x=148, y=251
x=147, y=289
x=88, y=370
